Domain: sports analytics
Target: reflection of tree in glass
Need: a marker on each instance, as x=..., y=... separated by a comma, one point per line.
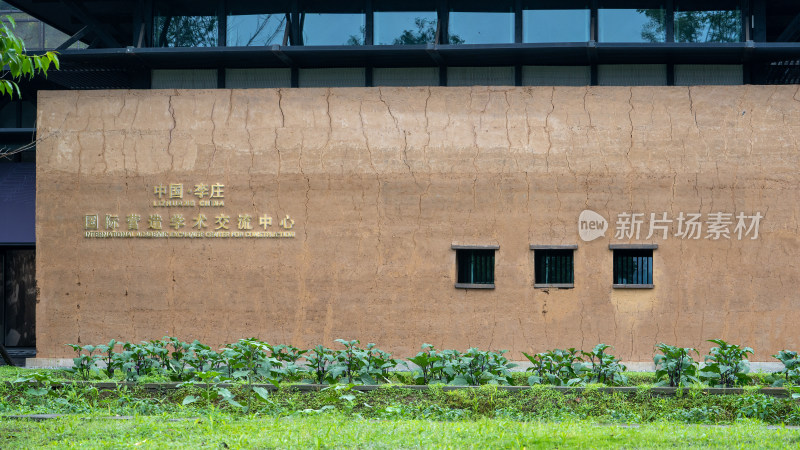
x=694, y=26
x=707, y=26
x=357, y=39
x=245, y=32
x=186, y=31
x=425, y=33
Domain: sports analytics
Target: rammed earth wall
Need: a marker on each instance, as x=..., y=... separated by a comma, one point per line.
x=380, y=183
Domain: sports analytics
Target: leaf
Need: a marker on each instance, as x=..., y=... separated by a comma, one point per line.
x=189, y=399
x=459, y=381
x=261, y=393
x=37, y=391
x=225, y=393
x=233, y=402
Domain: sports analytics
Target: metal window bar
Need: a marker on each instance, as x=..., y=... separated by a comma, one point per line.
x=554, y=267
x=633, y=267
x=475, y=266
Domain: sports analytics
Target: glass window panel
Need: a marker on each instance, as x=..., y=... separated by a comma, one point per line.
x=553, y=267
x=8, y=115
x=475, y=266
x=6, y=7
x=631, y=25
x=708, y=26
x=633, y=267
x=555, y=25
x=481, y=28
x=256, y=29
x=172, y=29
x=404, y=28
x=30, y=33
x=28, y=114
x=334, y=29
x=53, y=38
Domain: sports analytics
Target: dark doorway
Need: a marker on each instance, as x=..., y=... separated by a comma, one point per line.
x=18, y=299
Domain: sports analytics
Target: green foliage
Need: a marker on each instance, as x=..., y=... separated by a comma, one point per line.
x=675, y=366
x=107, y=352
x=368, y=365
x=426, y=362
x=209, y=390
x=791, y=368
x=19, y=64
x=726, y=366
x=84, y=363
x=39, y=383
x=320, y=360
x=556, y=367
x=602, y=367
x=757, y=406
x=700, y=414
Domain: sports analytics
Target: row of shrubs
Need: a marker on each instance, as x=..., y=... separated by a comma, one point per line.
x=252, y=360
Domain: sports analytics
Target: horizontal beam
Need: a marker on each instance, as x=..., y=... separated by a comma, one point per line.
x=562, y=54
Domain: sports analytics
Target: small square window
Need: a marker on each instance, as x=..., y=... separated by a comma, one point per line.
x=633, y=268
x=475, y=268
x=554, y=267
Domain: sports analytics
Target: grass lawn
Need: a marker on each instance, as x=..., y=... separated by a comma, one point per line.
x=334, y=430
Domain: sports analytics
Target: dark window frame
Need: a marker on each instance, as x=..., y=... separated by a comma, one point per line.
x=474, y=253
x=565, y=258
x=623, y=256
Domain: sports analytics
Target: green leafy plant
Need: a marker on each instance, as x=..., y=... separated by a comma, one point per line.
x=107, y=351
x=675, y=366
x=377, y=364
x=726, y=365
x=85, y=361
x=791, y=368
x=290, y=355
x=14, y=57
x=320, y=361
x=134, y=361
x=425, y=361
x=757, y=406
x=200, y=358
x=556, y=367
x=38, y=383
x=350, y=360
x=210, y=390
x=602, y=367
x=476, y=367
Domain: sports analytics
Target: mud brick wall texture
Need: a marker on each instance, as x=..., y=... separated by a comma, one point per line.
x=381, y=182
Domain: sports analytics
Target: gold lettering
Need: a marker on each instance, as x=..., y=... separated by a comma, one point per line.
x=222, y=221
x=154, y=222
x=160, y=190
x=217, y=190
x=176, y=190
x=90, y=222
